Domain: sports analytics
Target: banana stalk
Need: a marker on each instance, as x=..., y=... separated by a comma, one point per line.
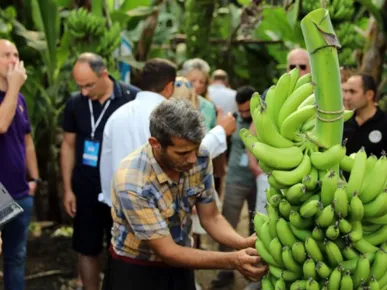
x=322, y=44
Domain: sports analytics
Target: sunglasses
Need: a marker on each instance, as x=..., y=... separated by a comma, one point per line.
x=179, y=84
x=300, y=66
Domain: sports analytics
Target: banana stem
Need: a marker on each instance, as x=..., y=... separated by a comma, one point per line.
x=322, y=44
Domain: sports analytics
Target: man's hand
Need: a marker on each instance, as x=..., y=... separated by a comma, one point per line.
x=247, y=263
x=250, y=241
x=69, y=203
x=227, y=122
x=33, y=186
x=16, y=75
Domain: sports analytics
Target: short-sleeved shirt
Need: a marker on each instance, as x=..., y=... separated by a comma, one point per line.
x=147, y=204
x=13, y=167
x=208, y=111
x=238, y=171
x=77, y=119
x=372, y=134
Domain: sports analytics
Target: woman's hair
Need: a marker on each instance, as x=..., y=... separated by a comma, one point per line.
x=184, y=90
x=200, y=65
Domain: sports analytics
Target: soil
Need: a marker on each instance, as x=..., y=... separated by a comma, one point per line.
x=51, y=262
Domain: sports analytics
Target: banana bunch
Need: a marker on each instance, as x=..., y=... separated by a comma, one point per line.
x=321, y=231
x=110, y=40
x=341, y=10
x=81, y=23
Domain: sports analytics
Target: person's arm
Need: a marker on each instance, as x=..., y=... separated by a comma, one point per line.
x=31, y=162
x=106, y=164
x=67, y=162
x=252, y=161
x=16, y=76
x=215, y=141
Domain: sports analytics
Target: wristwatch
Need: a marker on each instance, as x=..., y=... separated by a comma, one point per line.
x=36, y=180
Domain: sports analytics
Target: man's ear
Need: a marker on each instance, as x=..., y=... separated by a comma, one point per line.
x=168, y=90
x=154, y=143
x=370, y=95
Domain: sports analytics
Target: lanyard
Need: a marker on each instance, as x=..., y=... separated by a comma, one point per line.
x=94, y=124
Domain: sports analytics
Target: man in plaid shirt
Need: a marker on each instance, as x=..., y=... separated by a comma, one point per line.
x=153, y=193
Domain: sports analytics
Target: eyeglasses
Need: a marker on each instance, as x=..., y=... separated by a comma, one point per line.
x=87, y=86
x=178, y=84
x=300, y=66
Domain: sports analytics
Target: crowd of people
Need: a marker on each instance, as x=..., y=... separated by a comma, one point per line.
x=148, y=170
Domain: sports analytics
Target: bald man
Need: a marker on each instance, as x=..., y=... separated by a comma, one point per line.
x=18, y=161
x=85, y=116
x=299, y=58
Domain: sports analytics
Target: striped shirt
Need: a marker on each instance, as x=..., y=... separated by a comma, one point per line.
x=147, y=204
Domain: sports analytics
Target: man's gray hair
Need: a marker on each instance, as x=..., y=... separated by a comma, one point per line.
x=176, y=118
x=195, y=63
x=95, y=61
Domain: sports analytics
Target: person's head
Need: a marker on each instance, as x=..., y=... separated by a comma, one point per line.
x=9, y=56
x=360, y=91
x=158, y=75
x=184, y=90
x=176, y=130
x=220, y=77
x=298, y=58
x=242, y=98
x=91, y=76
x=197, y=71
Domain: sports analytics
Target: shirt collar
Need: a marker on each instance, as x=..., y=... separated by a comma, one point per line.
x=161, y=176
x=149, y=96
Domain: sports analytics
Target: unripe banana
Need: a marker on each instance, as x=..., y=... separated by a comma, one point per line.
x=313, y=250
x=285, y=208
x=281, y=93
x=378, y=268
x=299, y=222
x=289, y=262
x=294, y=75
x=309, y=269
x=298, y=285
x=377, y=237
x=309, y=101
x=347, y=164
x=312, y=284
x=323, y=270
x=266, y=283
x=295, y=193
x=329, y=158
x=300, y=233
x=309, y=208
x=293, y=176
x=311, y=180
x=284, y=233
x=271, y=191
x=356, y=208
x=299, y=253
x=364, y=247
x=275, y=249
x=306, y=78
x=278, y=158
x=267, y=129
x=350, y=253
x=280, y=284
x=377, y=207
x=373, y=185
x=265, y=168
x=293, y=123
x=308, y=125
x=382, y=220
x=370, y=228
x=264, y=253
x=344, y=226
x=273, y=218
x=275, y=200
x=383, y=281
x=334, y=279
x=357, y=232
x=318, y=234
x=265, y=235
x=328, y=187
x=346, y=281
x=341, y=202
x=259, y=220
x=326, y=217
x=362, y=271
x=274, y=183
x=284, y=274
x=332, y=231
x=356, y=176
x=254, y=102
x=373, y=284
x=293, y=101
x=333, y=253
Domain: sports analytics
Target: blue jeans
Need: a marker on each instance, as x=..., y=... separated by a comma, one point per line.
x=14, y=236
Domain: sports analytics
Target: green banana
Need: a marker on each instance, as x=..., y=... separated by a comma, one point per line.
x=362, y=271
x=264, y=253
x=306, y=78
x=346, y=282
x=294, y=75
x=347, y=164
x=278, y=158
x=284, y=274
x=373, y=284
x=377, y=237
x=298, y=285
x=334, y=279
x=280, y=284
x=382, y=220
x=274, y=183
x=332, y=231
x=357, y=231
x=329, y=158
x=265, y=168
x=313, y=250
x=356, y=176
x=293, y=101
x=289, y=262
x=349, y=253
x=294, y=176
x=309, y=208
x=275, y=249
x=275, y=200
x=378, y=268
x=268, y=131
x=299, y=252
x=299, y=222
x=326, y=217
x=265, y=235
x=281, y=93
x=312, y=284
x=356, y=208
x=311, y=180
x=318, y=234
x=295, y=193
x=254, y=102
x=364, y=247
x=301, y=234
x=293, y=123
x=308, y=125
x=333, y=253
x=345, y=227
x=383, y=281
x=284, y=209
x=284, y=233
x=266, y=283
x=373, y=185
x=273, y=218
x=377, y=207
x=259, y=220
x=329, y=184
x=370, y=228
x=311, y=100
x=309, y=269
x=341, y=202
x=323, y=270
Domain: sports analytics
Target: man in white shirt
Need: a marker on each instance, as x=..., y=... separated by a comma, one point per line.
x=128, y=128
x=220, y=93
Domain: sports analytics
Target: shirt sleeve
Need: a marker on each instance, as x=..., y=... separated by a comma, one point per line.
x=215, y=141
x=26, y=115
x=69, y=124
x=106, y=164
x=208, y=194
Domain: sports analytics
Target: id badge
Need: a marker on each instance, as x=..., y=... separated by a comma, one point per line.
x=90, y=153
x=244, y=161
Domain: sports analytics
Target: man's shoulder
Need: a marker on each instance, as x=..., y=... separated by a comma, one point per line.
x=128, y=91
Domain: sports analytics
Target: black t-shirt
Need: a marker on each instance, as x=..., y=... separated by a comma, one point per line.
x=372, y=134
x=77, y=119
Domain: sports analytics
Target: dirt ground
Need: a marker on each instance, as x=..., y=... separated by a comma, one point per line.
x=50, y=262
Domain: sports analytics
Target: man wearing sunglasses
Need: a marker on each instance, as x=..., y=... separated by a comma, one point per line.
x=298, y=58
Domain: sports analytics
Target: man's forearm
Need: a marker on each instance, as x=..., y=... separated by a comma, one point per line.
x=222, y=232
x=31, y=160
x=67, y=161
x=8, y=109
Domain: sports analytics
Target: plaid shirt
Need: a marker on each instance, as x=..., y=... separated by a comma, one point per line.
x=147, y=204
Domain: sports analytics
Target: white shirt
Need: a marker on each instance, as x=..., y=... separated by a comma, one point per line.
x=223, y=97
x=127, y=129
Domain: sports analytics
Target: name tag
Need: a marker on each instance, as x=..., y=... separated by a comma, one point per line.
x=244, y=161
x=90, y=153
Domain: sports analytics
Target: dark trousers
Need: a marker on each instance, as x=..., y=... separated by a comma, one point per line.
x=121, y=275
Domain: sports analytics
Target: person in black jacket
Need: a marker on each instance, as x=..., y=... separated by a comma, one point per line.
x=85, y=115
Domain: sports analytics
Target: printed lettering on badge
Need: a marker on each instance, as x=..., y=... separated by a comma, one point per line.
x=90, y=153
x=375, y=136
